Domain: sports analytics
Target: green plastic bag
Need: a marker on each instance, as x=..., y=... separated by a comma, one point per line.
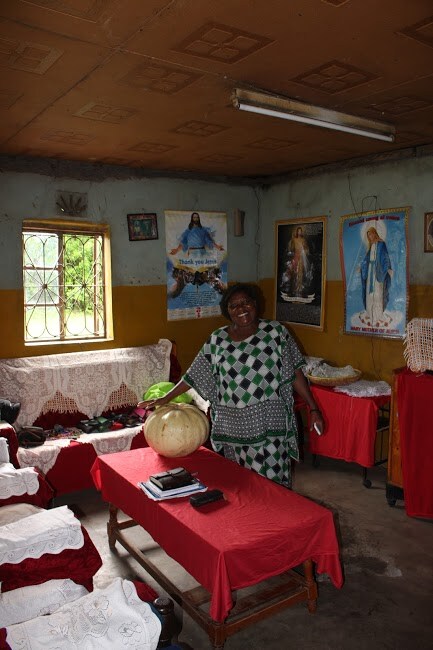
x=162, y=388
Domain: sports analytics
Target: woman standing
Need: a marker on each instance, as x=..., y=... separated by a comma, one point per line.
x=247, y=371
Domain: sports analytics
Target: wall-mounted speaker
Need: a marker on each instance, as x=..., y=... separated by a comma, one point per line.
x=239, y=219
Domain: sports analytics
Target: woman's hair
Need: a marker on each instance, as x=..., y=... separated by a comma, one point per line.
x=251, y=290
x=192, y=223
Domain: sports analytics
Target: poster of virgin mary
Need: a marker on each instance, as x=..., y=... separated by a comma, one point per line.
x=373, y=253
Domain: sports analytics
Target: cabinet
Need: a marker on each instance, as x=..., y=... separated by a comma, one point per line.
x=411, y=443
x=394, y=484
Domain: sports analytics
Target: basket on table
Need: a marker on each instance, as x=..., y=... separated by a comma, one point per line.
x=336, y=380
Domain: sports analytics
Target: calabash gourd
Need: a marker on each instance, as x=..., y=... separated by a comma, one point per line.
x=176, y=430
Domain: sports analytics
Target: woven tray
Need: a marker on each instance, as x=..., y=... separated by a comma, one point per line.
x=335, y=381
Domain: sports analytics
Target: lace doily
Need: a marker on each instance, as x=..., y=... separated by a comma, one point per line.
x=4, y=450
x=112, y=441
x=365, y=388
x=48, y=531
x=89, y=382
x=14, y=482
x=43, y=457
x=105, y=619
x=25, y=603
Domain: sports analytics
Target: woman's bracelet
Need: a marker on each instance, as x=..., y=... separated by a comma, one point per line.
x=317, y=410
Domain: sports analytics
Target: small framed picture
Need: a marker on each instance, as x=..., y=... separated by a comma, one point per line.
x=142, y=226
x=428, y=232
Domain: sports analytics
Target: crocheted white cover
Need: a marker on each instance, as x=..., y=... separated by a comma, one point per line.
x=365, y=388
x=112, y=441
x=15, y=482
x=88, y=382
x=48, y=531
x=418, y=344
x=4, y=450
x=43, y=457
x=15, y=511
x=106, y=619
x=25, y=603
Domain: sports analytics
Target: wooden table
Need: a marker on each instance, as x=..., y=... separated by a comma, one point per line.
x=258, y=534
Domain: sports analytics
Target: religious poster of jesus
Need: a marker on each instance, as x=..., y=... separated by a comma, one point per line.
x=374, y=261
x=196, y=252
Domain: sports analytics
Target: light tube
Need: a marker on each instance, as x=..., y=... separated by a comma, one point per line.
x=288, y=109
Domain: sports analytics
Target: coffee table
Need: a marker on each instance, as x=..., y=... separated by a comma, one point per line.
x=256, y=536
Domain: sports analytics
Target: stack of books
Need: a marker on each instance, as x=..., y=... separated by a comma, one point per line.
x=171, y=484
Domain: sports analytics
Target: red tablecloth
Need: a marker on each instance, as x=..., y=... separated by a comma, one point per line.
x=71, y=471
x=262, y=529
x=414, y=402
x=350, y=426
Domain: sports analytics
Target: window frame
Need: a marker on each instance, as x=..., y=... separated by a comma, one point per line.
x=61, y=227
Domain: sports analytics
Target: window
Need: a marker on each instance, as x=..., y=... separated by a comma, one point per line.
x=67, y=281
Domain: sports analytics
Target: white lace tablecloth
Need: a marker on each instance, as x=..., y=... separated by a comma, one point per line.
x=15, y=482
x=45, y=456
x=106, y=619
x=48, y=531
x=365, y=388
x=25, y=603
x=89, y=382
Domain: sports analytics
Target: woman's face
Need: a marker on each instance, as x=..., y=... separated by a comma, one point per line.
x=242, y=309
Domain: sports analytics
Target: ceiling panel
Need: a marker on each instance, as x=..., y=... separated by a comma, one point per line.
x=149, y=84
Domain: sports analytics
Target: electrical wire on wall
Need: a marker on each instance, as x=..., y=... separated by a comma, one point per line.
x=257, y=233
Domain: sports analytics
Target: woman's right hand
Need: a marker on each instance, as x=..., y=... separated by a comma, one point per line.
x=153, y=403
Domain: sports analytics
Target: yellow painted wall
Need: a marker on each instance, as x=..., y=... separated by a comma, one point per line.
x=139, y=315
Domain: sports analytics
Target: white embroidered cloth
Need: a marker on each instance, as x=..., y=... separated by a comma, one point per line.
x=14, y=482
x=48, y=531
x=106, y=619
x=43, y=457
x=112, y=441
x=15, y=511
x=365, y=388
x=4, y=450
x=89, y=382
x=25, y=603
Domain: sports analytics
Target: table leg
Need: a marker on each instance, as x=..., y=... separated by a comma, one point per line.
x=311, y=585
x=112, y=527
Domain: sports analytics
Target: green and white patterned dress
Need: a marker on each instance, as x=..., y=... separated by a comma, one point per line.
x=249, y=386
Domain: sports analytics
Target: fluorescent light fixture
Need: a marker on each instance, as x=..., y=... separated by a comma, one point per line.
x=290, y=109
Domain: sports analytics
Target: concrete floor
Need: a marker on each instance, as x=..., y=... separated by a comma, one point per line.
x=386, y=601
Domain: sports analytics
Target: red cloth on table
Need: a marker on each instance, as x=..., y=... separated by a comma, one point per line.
x=7, y=431
x=41, y=499
x=414, y=401
x=80, y=565
x=261, y=530
x=71, y=471
x=350, y=426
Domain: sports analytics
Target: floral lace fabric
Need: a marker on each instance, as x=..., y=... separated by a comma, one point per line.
x=108, y=618
x=15, y=482
x=25, y=603
x=88, y=382
x=365, y=388
x=48, y=531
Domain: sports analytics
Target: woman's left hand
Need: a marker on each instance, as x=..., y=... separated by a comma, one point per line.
x=317, y=422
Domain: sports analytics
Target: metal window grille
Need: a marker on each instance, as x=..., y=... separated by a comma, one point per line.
x=64, y=285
